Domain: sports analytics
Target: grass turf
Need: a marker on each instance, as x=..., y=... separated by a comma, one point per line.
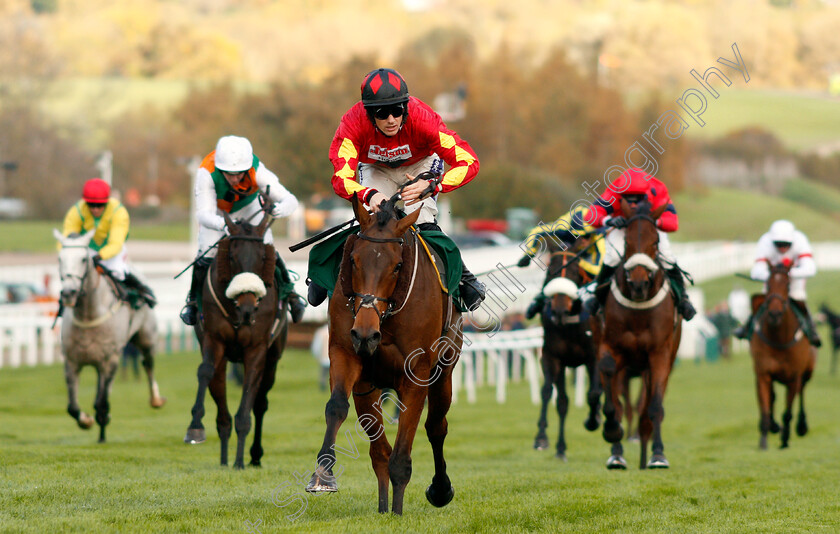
x=55, y=477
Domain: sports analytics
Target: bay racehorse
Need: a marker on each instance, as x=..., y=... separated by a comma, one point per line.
x=641, y=335
x=391, y=326
x=240, y=323
x=567, y=342
x=781, y=353
x=95, y=328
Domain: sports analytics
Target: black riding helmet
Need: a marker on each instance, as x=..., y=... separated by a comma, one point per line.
x=383, y=88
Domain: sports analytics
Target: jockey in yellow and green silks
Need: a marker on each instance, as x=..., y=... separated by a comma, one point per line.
x=571, y=229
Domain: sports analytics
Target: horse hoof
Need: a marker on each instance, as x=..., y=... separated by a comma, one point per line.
x=774, y=427
x=561, y=456
x=439, y=499
x=613, y=434
x=541, y=444
x=801, y=428
x=255, y=463
x=658, y=461
x=158, y=402
x=322, y=482
x=591, y=424
x=85, y=421
x=195, y=436
x=239, y=465
x=616, y=462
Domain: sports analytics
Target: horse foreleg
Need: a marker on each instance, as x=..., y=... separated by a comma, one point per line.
x=593, y=396
x=254, y=368
x=801, y=420
x=399, y=465
x=210, y=353
x=218, y=391
x=260, y=407
x=562, y=411
x=71, y=375
x=659, y=372
x=541, y=439
x=608, y=370
x=792, y=390
x=106, y=372
x=764, y=388
x=440, y=491
x=345, y=369
x=370, y=413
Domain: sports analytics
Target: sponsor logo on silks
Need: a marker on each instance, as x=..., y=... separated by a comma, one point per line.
x=399, y=153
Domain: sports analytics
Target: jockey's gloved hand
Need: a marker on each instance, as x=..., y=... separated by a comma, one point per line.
x=524, y=261
x=97, y=259
x=617, y=222
x=278, y=210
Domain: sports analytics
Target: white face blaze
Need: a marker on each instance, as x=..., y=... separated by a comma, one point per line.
x=73, y=263
x=245, y=283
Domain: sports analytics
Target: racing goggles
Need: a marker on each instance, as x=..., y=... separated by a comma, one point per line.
x=383, y=113
x=634, y=198
x=782, y=244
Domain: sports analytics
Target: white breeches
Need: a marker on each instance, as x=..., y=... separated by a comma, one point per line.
x=118, y=264
x=387, y=180
x=615, y=248
x=208, y=236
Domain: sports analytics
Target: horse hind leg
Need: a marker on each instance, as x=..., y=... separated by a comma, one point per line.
x=801, y=420
x=440, y=492
x=71, y=375
x=242, y=419
x=791, y=391
x=155, y=399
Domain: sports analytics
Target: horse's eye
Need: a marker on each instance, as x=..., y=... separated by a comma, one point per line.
x=398, y=267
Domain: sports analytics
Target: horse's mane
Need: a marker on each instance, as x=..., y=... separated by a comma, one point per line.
x=387, y=212
x=644, y=207
x=223, y=264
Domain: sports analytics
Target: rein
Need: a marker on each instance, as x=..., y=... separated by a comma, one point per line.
x=648, y=263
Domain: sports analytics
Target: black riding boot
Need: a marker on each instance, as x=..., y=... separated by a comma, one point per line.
x=684, y=306
x=745, y=330
x=189, y=315
x=472, y=291
x=602, y=287
x=535, y=307
x=296, y=303
x=145, y=291
x=810, y=329
x=315, y=294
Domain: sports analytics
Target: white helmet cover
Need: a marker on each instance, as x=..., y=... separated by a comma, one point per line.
x=234, y=154
x=783, y=231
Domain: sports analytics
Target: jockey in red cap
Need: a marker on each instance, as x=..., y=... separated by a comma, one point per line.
x=635, y=185
x=108, y=218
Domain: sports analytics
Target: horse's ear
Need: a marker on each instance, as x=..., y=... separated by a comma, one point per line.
x=58, y=235
x=657, y=213
x=88, y=236
x=404, y=223
x=625, y=208
x=361, y=213
x=265, y=223
x=230, y=224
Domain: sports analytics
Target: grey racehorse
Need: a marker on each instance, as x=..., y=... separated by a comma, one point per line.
x=95, y=327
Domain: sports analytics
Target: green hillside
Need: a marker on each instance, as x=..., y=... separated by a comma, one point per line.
x=720, y=213
x=801, y=120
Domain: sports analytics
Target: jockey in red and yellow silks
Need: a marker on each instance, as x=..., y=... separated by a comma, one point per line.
x=385, y=141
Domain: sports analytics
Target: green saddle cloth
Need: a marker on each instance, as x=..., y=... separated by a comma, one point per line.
x=325, y=260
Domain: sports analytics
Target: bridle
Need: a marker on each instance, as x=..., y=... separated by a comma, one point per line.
x=72, y=276
x=368, y=300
